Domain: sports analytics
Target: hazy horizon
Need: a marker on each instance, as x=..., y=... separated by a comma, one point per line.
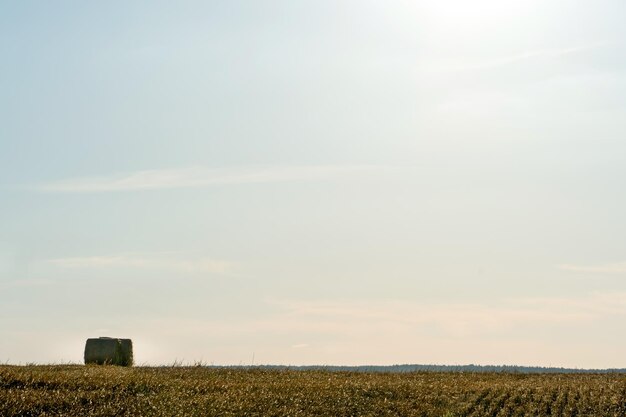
x=328, y=182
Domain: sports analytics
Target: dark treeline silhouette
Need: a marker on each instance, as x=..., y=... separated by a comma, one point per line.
x=436, y=368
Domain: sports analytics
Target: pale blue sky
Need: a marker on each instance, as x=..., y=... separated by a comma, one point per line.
x=327, y=182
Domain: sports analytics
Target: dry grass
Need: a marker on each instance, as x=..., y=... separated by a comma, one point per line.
x=193, y=391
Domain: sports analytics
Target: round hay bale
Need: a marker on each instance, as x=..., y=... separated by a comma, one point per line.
x=109, y=351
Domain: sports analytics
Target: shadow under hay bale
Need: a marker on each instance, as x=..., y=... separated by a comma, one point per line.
x=109, y=351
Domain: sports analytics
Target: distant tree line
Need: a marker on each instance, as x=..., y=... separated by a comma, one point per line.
x=438, y=368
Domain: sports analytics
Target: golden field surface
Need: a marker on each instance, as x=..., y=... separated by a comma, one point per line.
x=75, y=390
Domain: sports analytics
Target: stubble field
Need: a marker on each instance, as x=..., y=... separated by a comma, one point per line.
x=76, y=390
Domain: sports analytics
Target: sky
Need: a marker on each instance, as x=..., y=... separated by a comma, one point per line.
x=314, y=182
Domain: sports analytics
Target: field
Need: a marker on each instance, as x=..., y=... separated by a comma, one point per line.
x=75, y=390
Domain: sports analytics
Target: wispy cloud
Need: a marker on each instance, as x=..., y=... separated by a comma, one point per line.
x=20, y=283
x=517, y=330
x=144, y=262
x=360, y=319
x=453, y=319
x=195, y=177
x=516, y=58
x=612, y=268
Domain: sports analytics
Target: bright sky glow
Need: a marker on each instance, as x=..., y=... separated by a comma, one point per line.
x=328, y=182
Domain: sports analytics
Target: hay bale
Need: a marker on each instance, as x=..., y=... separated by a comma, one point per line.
x=109, y=351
